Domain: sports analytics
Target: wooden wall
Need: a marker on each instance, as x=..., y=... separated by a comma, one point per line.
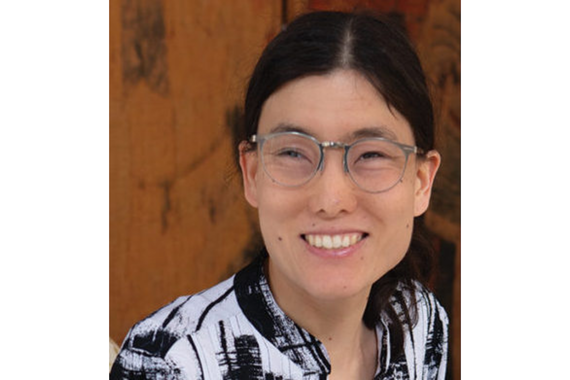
x=178, y=221
x=178, y=69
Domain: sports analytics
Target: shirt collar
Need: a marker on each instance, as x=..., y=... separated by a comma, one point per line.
x=260, y=308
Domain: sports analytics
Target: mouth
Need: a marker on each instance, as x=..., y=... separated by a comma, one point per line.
x=335, y=241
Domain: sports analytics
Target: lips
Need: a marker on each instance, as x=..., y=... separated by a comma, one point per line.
x=336, y=241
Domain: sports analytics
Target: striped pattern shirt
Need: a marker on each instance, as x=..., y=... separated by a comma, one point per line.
x=236, y=330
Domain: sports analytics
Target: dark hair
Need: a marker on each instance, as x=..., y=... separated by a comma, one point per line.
x=320, y=42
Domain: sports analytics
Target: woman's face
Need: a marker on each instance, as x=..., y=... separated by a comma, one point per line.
x=334, y=107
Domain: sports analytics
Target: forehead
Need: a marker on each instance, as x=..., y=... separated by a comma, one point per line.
x=340, y=106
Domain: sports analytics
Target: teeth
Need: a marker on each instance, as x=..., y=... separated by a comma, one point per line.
x=327, y=242
x=311, y=239
x=354, y=239
x=333, y=241
x=337, y=241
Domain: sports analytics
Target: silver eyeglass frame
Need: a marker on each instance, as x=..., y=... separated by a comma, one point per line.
x=407, y=149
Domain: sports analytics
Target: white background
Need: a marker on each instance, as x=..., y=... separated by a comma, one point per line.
x=54, y=173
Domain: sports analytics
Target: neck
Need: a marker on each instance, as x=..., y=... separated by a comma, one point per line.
x=338, y=324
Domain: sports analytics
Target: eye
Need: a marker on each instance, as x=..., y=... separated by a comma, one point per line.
x=373, y=151
x=374, y=155
x=371, y=155
x=290, y=153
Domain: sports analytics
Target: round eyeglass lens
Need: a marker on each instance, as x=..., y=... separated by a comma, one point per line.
x=290, y=159
x=376, y=165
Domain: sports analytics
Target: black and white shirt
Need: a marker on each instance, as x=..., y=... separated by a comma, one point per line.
x=236, y=330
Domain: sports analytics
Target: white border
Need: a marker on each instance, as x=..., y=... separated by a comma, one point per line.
x=54, y=160
x=515, y=181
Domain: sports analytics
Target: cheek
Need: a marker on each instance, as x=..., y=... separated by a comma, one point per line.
x=397, y=205
x=278, y=211
x=394, y=220
x=403, y=225
x=279, y=228
x=394, y=237
x=403, y=202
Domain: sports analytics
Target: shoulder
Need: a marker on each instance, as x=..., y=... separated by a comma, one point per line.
x=148, y=342
x=426, y=335
x=429, y=309
x=420, y=303
x=156, y=333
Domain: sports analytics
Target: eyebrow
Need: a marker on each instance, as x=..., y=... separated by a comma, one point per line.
x=366, y=132
x=376, y=131
x=288, y=127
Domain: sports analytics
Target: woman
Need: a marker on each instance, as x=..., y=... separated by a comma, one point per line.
x=338, y=159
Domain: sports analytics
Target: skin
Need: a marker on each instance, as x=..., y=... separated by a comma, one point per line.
x=322, y=291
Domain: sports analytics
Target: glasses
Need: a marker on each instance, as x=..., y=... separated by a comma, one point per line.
x=292, y=159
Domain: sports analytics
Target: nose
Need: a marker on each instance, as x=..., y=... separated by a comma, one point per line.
x=333, y=192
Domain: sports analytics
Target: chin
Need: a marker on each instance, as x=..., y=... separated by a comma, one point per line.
x=336, y=289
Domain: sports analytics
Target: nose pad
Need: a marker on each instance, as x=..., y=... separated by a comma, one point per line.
x=322, y=166
x=333, y=146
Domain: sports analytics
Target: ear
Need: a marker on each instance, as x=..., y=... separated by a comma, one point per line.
x=248, y=163
x=426, y=168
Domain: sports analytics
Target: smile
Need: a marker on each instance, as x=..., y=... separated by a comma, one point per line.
x=333, y=241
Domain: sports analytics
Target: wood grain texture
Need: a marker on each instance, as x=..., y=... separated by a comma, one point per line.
x=178, y=221
x=178, y=69
x=439, y=47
